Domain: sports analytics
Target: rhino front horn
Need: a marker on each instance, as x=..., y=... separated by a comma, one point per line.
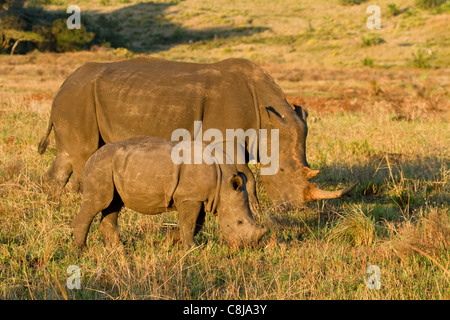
x=318, y=194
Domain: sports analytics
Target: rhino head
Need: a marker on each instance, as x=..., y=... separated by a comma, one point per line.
x=290, y=184
x=234, y=215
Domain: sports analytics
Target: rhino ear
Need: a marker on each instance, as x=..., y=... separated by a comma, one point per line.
x=272, y=115
x=236, y=182
x=302, y=113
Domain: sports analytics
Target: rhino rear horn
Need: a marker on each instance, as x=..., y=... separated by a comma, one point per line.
x=309, y=174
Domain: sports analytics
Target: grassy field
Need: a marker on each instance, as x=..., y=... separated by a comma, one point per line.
x=378, y=114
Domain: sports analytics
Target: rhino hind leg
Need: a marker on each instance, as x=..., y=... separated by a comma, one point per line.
x=82, y=222
x=57, y=176
x=78, y=159
x=77, y=175
x=108, y=223
x=191, y=216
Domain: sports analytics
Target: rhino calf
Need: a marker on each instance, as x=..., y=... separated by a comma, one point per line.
x=140, y=174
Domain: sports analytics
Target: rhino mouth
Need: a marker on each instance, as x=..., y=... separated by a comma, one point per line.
x=239, y=239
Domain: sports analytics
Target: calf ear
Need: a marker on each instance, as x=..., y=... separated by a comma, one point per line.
x=236, y=182
x=302, y=113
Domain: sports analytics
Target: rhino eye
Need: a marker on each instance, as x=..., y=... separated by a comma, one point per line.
x=240, y=222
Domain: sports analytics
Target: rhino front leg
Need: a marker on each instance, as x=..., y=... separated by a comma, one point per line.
x=191, y=217
x=108, y=223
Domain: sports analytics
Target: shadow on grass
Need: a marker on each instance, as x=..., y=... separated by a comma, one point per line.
x=392, y=187
x=386, y=175
x=142, y=28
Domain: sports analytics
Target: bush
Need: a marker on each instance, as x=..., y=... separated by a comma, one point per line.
x=351, y=2
x=106, y=29
x=393, y=9
x=429, y=4
x=421, y=59
x=70, y=40
x=13, y=29
x=47, y=30
x=10, y=38
x=368, y=62
x=371, y=39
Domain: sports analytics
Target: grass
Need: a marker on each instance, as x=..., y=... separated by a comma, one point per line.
x=386, y=127
x=421, y=59
x=355, y=227
x=370, y=39
x=322, y=33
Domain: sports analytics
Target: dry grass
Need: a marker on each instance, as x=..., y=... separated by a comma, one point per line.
x=385, y=127
x=355, y=227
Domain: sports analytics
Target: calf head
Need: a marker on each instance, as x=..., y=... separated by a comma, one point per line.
x=234, y=216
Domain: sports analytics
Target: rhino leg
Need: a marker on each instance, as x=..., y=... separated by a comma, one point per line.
x=55, y=179
x=174, y=235
x=82, y=222
x=191, y=216
x=78, y=163
x=108, y=223
x=98, y=195
x=200, y=221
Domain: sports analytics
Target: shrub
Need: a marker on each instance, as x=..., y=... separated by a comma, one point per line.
x=421, y=59
x=368, y=62
x=444, y=8
x=47, y=30
x=371, y=39
x=393, y=9
x=12, y=33
x=122, y=52
x=429, y=4
x=70, y=40
x=351, y=2
x=11, y=38
x=106, y=29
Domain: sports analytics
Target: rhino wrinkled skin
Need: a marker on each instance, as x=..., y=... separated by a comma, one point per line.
x=108, y=102
x=140, y=174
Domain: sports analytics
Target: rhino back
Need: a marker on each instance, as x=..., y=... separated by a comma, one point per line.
x=150, y=96
x=155, y=97
x=143, y=174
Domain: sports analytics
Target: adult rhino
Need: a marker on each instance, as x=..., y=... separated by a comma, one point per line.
x=107, y=102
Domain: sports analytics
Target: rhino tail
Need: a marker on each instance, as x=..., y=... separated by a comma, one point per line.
x=44, y=142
